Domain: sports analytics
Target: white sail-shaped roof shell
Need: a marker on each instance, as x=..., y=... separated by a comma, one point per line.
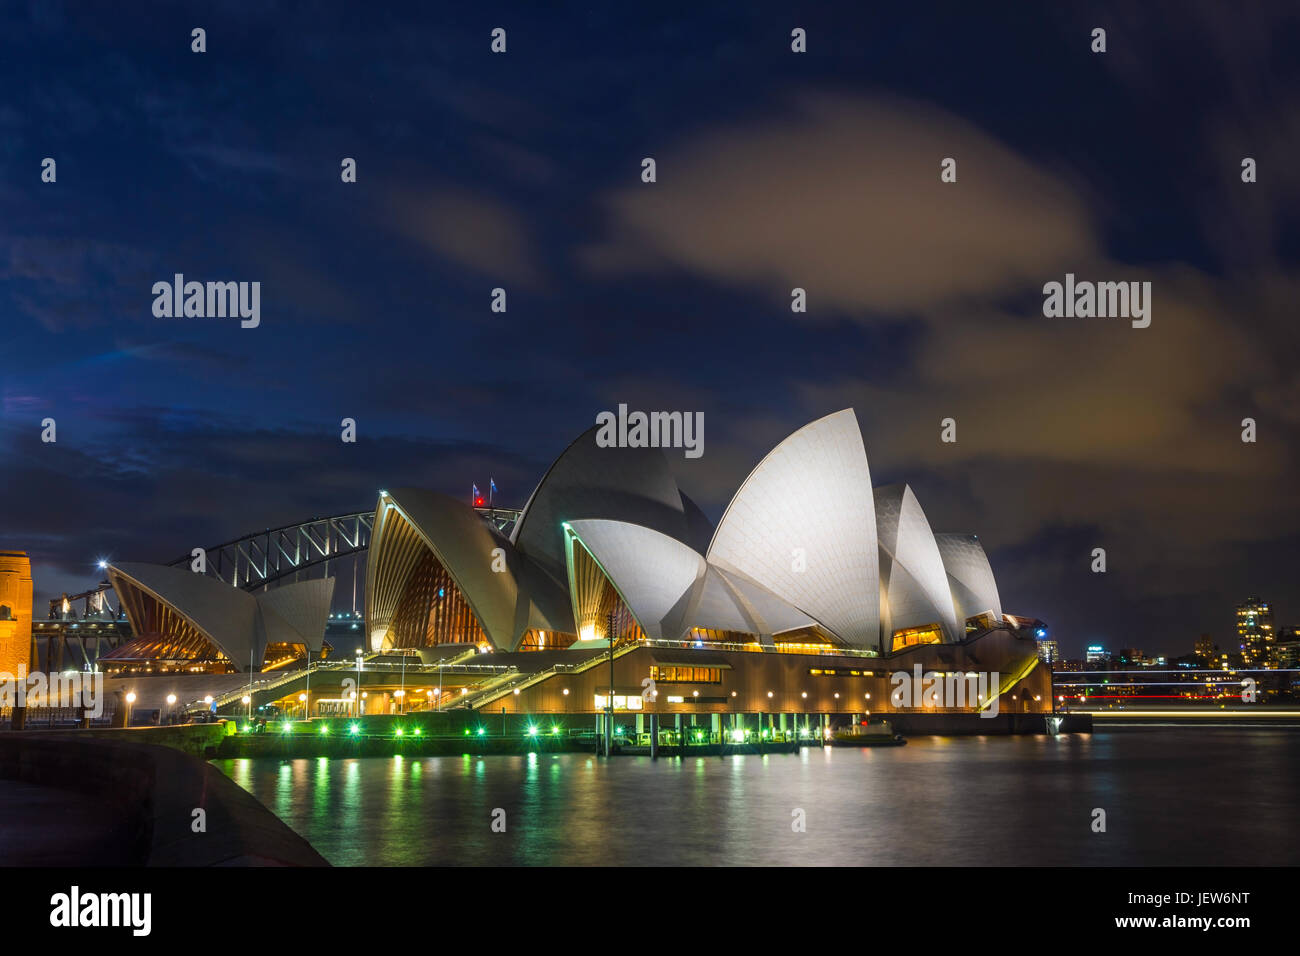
x=297, y=613
x=970, y=578
x=913, y=583
x=670, y=588
x=652, y=572
x=754, y=609
x=810, y=501
x=588, y=481
x=410, y=521
x=237, y=623
x=223, y=614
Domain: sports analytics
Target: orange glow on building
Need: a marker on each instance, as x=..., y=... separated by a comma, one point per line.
x=15, y=611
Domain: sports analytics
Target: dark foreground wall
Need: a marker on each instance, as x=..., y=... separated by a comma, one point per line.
x=158, y=789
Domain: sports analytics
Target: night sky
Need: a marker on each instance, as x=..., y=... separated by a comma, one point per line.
x=775, y=170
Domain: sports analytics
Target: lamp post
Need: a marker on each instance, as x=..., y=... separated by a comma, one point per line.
x=248, y=702
x=130, y=700
x=609, y=703
x=358, y=682
x=171, y=702
x=302, y=699
x=306, y=698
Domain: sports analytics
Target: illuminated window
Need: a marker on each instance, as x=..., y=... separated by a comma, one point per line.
x=620, y=702
x=535, y=640
x=680, y=674
x=911, y=636
x=596, y=599
x=714, y=636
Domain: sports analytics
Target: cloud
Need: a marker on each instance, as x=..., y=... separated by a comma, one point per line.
x=471, y=230
x=73, y=282
x=842, y=196
x=1072, y=433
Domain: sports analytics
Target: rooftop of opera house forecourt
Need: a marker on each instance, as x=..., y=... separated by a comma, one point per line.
x=785, y=621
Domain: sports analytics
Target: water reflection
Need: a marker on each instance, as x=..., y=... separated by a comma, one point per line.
x=1172, y=797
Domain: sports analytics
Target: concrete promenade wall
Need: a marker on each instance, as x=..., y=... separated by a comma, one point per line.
x=199, y=740
x=159, y=788
x=292, y=746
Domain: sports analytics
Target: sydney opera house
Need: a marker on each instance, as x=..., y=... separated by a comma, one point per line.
x=811, y=591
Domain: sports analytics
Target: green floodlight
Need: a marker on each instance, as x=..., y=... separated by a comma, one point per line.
x=399, y=731
x=324, y=728
x=288, y=728
x=481, y=731
x=417, y=731
x=532, y=730
x=555, y=730
x=354, y=729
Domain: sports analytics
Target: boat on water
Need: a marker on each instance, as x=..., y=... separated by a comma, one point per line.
x=873, y=732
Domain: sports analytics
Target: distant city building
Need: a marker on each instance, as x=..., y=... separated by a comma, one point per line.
x=1205, y=646
x=1096, y=654
x=1255, y=634
x=1288, y=648
x=15, y=611
x=1048, y=651
x=1131, y=655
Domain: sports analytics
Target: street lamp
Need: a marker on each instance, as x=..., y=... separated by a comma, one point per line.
x=130, y=699
x=171, y=702
x=358, y=681
x=248, y=702
x=302, y=699
x=402, y=692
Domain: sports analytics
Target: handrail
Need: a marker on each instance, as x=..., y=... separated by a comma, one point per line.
x=287, y=677
x=490, y=694
x=831, y=650
x=486, y=695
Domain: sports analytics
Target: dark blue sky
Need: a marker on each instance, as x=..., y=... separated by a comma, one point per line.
x=776, y=170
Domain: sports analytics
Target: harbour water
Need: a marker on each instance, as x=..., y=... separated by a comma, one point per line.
x=1170, y=795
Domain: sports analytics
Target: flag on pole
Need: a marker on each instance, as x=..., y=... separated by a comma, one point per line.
x=492, y=486
x=477, y=498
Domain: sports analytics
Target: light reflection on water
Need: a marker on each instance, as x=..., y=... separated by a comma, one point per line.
x=1172, y=797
